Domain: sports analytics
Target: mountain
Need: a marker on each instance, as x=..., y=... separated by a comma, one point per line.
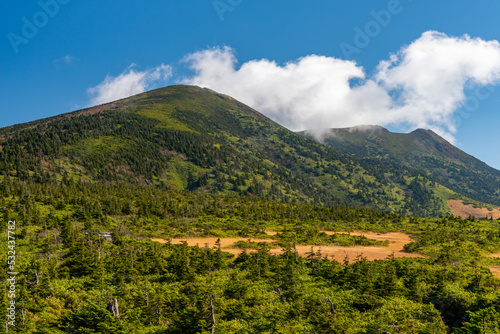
x=189, y=138
x=422, y=150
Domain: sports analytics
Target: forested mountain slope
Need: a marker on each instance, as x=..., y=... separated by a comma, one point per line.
x=424, y=151
x=189, y=138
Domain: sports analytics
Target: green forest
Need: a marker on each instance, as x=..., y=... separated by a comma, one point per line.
x=72, y=280
x=84, y=194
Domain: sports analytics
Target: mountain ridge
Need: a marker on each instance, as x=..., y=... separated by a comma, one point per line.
x=191, y=138
x=426, y=152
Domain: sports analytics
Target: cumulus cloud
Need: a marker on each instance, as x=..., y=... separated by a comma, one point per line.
x=310, y=92
x=432, y=74
x=422, y=85
x=128, y=83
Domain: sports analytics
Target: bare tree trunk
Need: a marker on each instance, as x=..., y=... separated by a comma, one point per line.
x=37, y=277
x=99, y=249
x=113, y=306
x=332, y=308
x=213, y=314
x=22, y=313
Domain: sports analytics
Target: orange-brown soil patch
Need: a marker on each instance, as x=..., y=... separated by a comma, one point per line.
x=210, y=242
x=459, y=209
x=495, y=271
x=396, y=243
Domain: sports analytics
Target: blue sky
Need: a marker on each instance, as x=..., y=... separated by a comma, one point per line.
x=52, y=68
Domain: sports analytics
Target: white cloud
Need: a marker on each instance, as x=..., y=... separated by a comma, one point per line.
x=306, y=93
x=63, y=62
x=128, y=83
x=432, y=73
x=67, y=59
x=420, y=86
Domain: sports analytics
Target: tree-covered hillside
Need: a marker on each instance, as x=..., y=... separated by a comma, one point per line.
x=184, y=137
x=423, y=151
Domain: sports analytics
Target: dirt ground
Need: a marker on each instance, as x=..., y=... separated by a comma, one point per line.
x=210, y=242
x=396, y=243
x=495, y=271
x=459, y=209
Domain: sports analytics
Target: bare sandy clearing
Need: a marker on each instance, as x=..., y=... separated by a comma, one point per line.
x=459, y=209
x=339, y=253
x=203, y=242
x=396, y=239
x=210, y=242
x=495, y=271
x=396, y=243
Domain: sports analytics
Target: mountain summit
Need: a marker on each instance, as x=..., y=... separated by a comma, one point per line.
x=424, y=151
x=190, y=138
